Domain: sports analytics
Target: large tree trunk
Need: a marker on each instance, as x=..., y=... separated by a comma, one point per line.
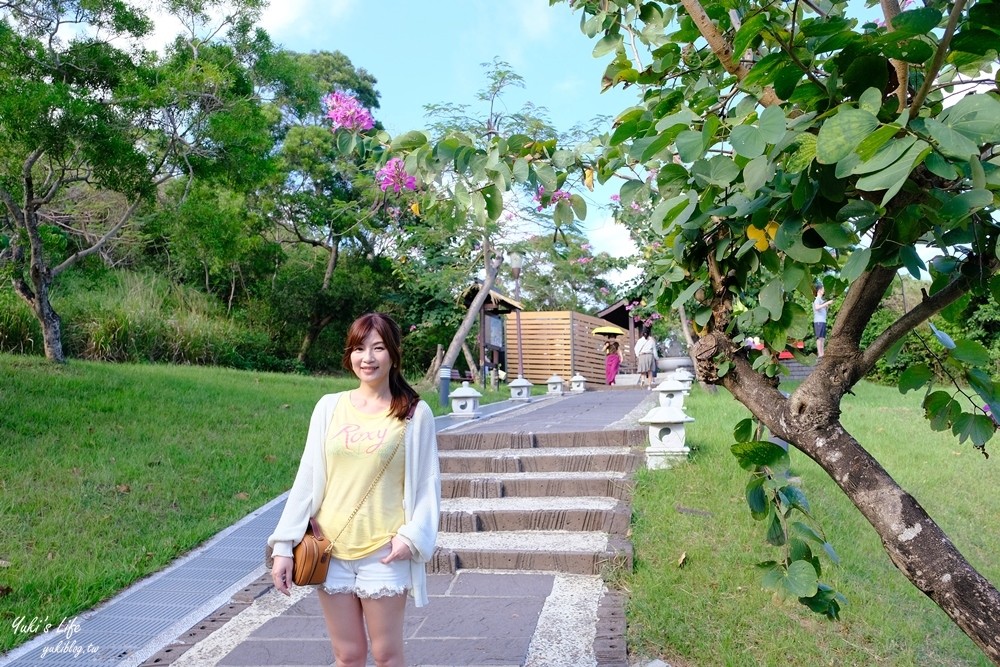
x=810, y=420
x=312, y=333
x=49, y=320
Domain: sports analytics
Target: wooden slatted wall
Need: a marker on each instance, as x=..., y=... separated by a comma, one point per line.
x=556, y=343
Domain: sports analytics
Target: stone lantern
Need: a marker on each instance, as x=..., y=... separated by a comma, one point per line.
x=672, y=393
x=666, y=437
x=520, y=390
x=555, y=384
x=683, y=376
x=578, y=384
x=465, y=402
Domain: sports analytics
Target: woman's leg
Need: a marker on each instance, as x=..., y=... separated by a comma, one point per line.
x=346, y=627
x=384, y=617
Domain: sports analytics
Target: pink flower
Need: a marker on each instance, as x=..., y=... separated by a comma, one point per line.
x=585, y=246
x=635, y=206
x=584, y=260
x=393, y=175
x=616, y=198
x=413, y=327
x=345, y=111
x=604, y=290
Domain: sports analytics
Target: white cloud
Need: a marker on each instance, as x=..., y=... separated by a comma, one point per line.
x=534, y=20
x=612, y=237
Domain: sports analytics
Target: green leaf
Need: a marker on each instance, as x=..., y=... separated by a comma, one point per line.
x=871, y=100
x=806, y=532
x=747, y=141
x=756, y=174
x=760, y=453
x=720, y=170
x=408, y=141
x=607, y=44
x=546, y=177
x=771, y=297
x=916, y=51
x=950, y=141
x=873, y=142
x=775, y=531
x=579, y=206
x=841, y=134
x=914, y=377
x=683, y=297
x=987, y=389
x=772, y=124
x=889, y=153
x=895, y=176
x=971, y=352
x=856, y=264
x=964, y=204
x=624, y=132
x=520, y=170
x=976, y=117
x=662, y=141
x=803, y=155
x=494, y=201
x=916, y=21
x=757, y=498
x=974, y=40
x=836, y=235
x=743, y=430
x=690, y=145
x=941, y=409
x=978, y=428
x=798, y=581
x=750, y=29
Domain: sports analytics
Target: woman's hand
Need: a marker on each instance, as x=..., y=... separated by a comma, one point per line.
x=281, y=574
x=398, y=550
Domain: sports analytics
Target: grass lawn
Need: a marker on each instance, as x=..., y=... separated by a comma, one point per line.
x=108, y=472
x=713, y=610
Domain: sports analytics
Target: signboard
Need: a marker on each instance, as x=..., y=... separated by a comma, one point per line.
x=494, y=332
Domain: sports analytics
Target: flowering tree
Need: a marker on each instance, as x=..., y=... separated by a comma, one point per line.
x=793, y=144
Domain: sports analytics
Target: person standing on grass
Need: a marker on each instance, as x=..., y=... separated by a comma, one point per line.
x=819, y=319
x=612, y=361
x=380, y=553
x=645, y=352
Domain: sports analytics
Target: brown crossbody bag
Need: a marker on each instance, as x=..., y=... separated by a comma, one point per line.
x=312, y=555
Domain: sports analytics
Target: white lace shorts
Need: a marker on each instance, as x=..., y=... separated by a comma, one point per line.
x=367, y=577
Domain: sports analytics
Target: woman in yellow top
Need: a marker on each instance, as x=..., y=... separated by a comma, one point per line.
x=383, y=534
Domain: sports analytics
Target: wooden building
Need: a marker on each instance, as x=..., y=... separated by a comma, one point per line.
x=556, y=343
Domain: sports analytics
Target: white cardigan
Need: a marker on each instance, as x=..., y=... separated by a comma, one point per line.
x=421, y=490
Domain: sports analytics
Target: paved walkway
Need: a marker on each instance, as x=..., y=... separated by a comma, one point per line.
x=215, y=606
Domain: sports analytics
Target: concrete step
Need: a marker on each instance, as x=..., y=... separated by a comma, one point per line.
x=560, y=551
x=466, y=440
x=612, y=484
x=576, y=459
x=465, y=515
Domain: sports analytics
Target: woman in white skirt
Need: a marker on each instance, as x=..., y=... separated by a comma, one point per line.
x=645, y=352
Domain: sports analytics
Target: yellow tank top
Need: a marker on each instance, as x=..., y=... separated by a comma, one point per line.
x=357, y=445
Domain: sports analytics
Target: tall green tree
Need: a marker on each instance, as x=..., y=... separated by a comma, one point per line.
x=796, y=143
x=89, y=106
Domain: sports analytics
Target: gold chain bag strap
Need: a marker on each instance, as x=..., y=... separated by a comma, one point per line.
x=311, y=556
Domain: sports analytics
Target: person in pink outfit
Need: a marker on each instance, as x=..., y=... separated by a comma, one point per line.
x=612, y=361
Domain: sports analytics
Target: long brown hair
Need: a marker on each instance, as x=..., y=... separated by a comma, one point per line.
x=404, y=398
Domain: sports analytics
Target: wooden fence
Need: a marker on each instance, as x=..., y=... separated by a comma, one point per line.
x=557, y=343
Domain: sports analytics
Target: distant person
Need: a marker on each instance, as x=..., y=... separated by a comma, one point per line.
x=612, y=361
x=819, y=319
x=369, y=477
x=645, y=352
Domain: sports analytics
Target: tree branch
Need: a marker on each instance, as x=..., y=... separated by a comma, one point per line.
x=111, y=233
x=931, y=75
x=723, y=49
x=907, y=322
x=890, y=10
